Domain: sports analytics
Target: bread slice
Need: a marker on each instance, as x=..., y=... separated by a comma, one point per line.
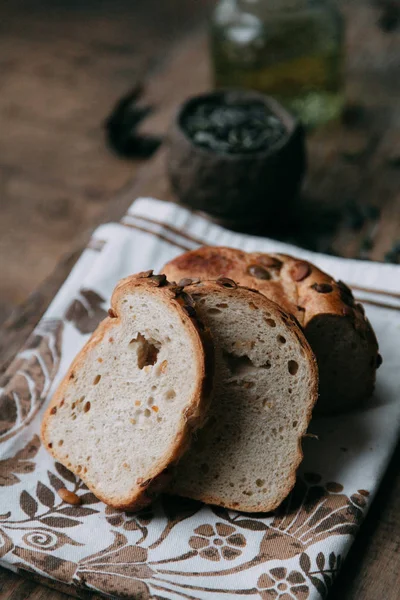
x=129, y=403
x=265, y=386
x=340, y=335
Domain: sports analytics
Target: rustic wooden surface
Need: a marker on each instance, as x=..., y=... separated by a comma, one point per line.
x=63, y=65
x=352, y=166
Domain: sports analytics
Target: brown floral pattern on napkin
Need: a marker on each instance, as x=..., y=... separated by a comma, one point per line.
x=29, y=377
x=86, y=311
x=313, y=512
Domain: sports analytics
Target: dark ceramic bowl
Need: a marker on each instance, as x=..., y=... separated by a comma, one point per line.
x=236, y=188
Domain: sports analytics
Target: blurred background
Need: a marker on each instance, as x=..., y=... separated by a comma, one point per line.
x=64, y=66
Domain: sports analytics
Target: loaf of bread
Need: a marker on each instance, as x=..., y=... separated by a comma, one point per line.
x=335, y=326
x=265, y=386
x=126, y=410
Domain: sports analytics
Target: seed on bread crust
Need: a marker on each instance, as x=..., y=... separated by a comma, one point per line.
x=300, y=271
x=187, y=299
x=259, y=272
x=69, y=497
x=322, y=288
x=158, y=280
x=53, y=410
x=112, y=314
x=270, y=262
x=145, y=274
x=226, y=282
x=185, y=281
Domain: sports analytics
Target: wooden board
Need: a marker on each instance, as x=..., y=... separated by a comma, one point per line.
x=350, y=165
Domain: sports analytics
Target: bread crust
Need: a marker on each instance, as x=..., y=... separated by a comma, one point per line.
x=310, y=294
x=195, y=416
x=264, y=304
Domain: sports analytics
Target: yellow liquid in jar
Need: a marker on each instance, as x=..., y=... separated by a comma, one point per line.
x=297, y=60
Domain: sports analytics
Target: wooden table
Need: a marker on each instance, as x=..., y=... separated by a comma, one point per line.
x=350, y=206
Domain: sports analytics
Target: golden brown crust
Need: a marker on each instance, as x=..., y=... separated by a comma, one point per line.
x=144, y=492
x=308, y=293
x=263, y=303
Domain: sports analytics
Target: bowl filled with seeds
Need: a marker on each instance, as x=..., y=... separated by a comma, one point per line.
x=237, y=155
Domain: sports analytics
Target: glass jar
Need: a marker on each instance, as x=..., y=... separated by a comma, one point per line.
x=289, y=49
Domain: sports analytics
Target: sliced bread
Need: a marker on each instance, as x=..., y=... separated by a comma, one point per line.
x=340, y=335
x=127, y=407
x=265, y=386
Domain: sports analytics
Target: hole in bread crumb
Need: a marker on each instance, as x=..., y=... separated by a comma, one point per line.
x=238, y=365
x=96, y=379
x=159, y=419
x=252, y=306
x=133, y=421
x=247, y=493
x=260, y=482
x=281, y=339
x=147, y=351
x=280, y=429
x=50, y=445
x=88, y=457
x=293, y=367
x=290, y=390
x=60, y=443
x=153, y=388
x=170, y=395
x=147, y=412
x=86, y=408
x=73, y=417
x=231, y=484
x=150, y=400
x=222, y=305
x=294, y=424
x=137, y=403
x=213, y=311
x=100, y=360
x=270, y=322
x=79, y=468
